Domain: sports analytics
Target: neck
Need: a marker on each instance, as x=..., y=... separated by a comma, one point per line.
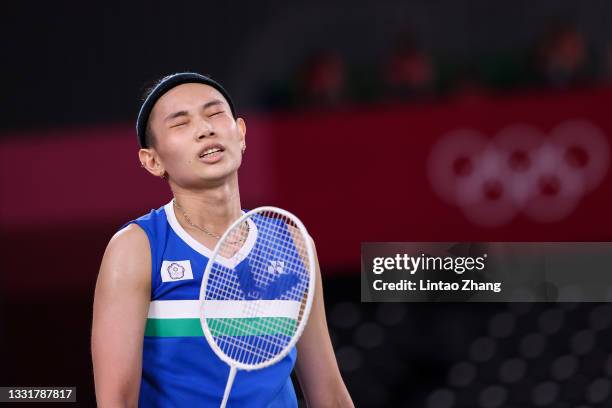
x=212, y=208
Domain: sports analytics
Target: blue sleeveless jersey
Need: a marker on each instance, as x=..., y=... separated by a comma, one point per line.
x=179, y=368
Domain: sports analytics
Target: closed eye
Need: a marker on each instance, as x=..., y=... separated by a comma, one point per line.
x=178, y=124
x=216, y=113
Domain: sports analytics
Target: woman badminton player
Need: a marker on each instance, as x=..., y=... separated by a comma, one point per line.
x=147, y=343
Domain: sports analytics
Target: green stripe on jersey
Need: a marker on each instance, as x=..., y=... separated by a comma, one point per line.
x=173, y=328
x=221, y=327
x=252, y=326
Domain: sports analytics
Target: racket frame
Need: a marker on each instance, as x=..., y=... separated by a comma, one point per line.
x=311, y=291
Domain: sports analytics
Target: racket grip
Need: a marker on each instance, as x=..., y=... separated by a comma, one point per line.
x=228, y=386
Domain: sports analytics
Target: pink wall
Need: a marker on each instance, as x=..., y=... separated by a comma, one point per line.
x=352, y=176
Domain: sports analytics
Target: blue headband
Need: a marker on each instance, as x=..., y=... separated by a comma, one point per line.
x=164, y=86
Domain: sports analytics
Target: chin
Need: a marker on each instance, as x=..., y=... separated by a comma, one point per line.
x=218, y=176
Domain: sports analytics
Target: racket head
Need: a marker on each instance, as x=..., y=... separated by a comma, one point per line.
x=254, y=305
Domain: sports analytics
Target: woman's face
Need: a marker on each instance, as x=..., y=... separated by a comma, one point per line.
x=197, y=140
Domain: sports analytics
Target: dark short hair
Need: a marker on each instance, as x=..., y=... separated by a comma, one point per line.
x=160, y=88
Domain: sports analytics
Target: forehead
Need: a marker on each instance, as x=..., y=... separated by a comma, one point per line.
x=185, y=97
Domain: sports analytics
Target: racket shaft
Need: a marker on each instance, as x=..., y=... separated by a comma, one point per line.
x=228, y=386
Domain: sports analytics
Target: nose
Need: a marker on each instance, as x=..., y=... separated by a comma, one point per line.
x=204, y=129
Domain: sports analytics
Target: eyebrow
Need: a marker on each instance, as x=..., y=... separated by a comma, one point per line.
x=207, y=105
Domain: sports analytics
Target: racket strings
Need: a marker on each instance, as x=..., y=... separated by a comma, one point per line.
x=235, y=241
x=275, y=269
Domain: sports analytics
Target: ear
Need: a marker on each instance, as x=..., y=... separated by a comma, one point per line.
x=242, y=130
x=150, y=160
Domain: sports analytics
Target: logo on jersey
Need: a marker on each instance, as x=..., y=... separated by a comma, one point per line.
x=276, y=267
x=175, y=271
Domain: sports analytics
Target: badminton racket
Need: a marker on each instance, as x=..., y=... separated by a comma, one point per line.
x=257, y=290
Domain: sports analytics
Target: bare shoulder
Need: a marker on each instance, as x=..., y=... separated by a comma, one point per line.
x=127, y=258
x=129, y=238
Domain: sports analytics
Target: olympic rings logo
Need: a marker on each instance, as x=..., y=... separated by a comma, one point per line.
x=519, y=170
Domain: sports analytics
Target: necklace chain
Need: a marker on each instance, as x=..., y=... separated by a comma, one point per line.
x=204, y=230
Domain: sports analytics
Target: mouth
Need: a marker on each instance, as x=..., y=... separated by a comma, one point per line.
x=211, y=151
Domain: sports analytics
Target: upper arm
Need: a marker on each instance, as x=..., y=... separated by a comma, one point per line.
x=316, y=364
x=121, y=304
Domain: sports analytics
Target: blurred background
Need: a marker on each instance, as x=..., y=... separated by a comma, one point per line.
x=446, y=120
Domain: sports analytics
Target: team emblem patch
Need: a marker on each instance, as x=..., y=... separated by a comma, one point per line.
x=175, y=271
